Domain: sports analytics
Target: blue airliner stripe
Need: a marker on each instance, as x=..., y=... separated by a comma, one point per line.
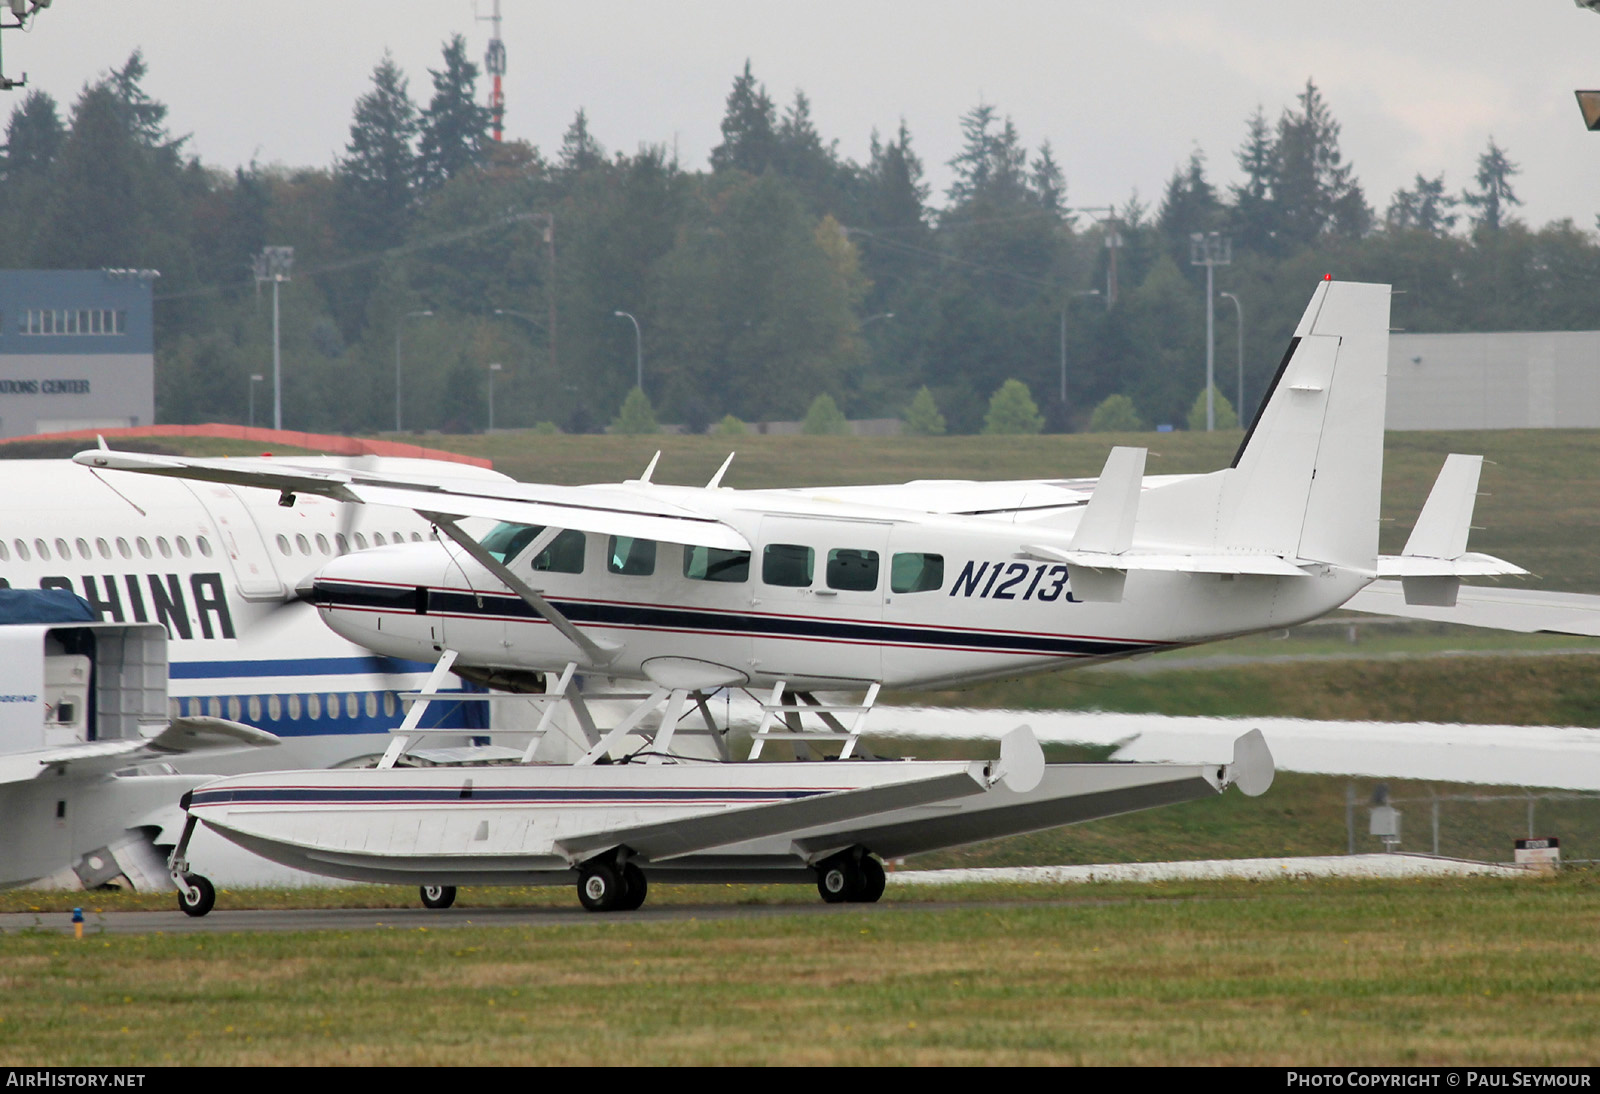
x=486, y=796
x=295, y=666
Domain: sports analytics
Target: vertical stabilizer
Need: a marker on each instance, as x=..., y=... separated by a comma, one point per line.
x=1307, y=480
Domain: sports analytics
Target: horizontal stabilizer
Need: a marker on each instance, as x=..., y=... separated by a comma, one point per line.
x=184, y=735
x=1527, y=611
x=1198, y=563
x=684, y=836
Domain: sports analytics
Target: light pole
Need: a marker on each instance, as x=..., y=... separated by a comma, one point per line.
x=400, y=330
x=1065, y=301
x=494, y=367
x=273, y=264
x=638, y=348
x=1239, y=311
x=1210, y=249
x=255, y=378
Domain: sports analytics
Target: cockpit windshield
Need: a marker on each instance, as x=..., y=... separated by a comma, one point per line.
x=507, y=540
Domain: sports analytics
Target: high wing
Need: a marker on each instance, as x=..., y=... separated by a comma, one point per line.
x=605, y=510
x=183, y=736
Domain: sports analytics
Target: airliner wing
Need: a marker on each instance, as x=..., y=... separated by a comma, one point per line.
x=605, y=510
x=182, y=737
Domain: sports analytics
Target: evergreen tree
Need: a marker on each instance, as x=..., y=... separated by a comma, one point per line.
x=95, y=214
x=1190, y=203
x=800, y=155
x=1315, y=190
x=974, y=164
x=454, y=129
x=1049, y=184
x=579, y=150
x=1254, y=212
x=377, y=175
x=1012, y=410
x=749, y=137
x=1493, y=199
x=897, y=196
x=922, y=417
x=825, y=419
x=144, y=116
x=34, y=137
x=1425, y=208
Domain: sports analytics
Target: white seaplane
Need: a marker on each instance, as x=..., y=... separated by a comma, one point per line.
x=787, y=592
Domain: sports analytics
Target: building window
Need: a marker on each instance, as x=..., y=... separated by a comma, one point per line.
x=74, y=321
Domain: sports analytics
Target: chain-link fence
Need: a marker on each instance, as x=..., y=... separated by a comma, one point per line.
x=1468, y=825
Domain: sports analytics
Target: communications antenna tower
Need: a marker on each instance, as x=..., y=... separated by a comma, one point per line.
x=494, y=63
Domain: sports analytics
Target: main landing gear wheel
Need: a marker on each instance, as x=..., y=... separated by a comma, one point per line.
x=839, y=880
x=635, y=887
x=851, y=878
x=600, y=887
x=197, y=896
x=438, y=896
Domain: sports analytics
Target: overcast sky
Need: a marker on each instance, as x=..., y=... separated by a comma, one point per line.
x=1123, y=91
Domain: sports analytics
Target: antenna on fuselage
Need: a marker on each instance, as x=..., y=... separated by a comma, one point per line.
x=716, y=480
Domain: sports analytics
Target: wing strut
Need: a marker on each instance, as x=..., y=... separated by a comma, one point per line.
x=600, y=651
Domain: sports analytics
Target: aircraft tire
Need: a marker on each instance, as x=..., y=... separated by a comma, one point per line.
x=635, y=888
x=438, y=896
x=839, y=880
x=873, y=880
x=204, y=899
x=600, y=887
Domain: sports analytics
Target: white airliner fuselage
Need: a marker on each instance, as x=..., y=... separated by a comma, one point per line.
x=218, y=567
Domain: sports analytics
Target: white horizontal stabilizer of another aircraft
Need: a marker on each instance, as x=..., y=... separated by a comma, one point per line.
x=184, y=736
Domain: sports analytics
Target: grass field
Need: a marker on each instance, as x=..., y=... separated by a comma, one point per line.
x=1293, y=972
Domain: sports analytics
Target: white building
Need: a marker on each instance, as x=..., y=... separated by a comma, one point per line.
x=77, y=350
x=1504, y=380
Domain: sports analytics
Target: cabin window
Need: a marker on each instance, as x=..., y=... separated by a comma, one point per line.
x=283, y=544
x=916, y=573
x=275, y=708
x=372, y=704
x=103, y=547
x=235, y=708
x=165, y=550
x=378, y=540
x=352, y=705
x=787, y=564
x=715, y=564
x=322, y=544
x=22, y=550
x=314, y=707
x=254, y=703
x=5, y=552
x=123, y=549
x=361, y=541
x=301, y=542
x=144, y=548
x=563, y=555
x=634, y=557
x=204, y=545
x=294, y=708
x=183, y=546
x=852, y=569
x=83, y=549
x=62, y=550
x=42, y=549
x=416, y=537
x=343, y=544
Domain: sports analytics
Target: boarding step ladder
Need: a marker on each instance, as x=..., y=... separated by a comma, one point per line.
x=781, y=721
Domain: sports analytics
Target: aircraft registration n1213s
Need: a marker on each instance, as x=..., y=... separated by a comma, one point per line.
x=785, y=592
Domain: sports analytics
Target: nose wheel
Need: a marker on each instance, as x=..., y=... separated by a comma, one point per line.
x=196, y=895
